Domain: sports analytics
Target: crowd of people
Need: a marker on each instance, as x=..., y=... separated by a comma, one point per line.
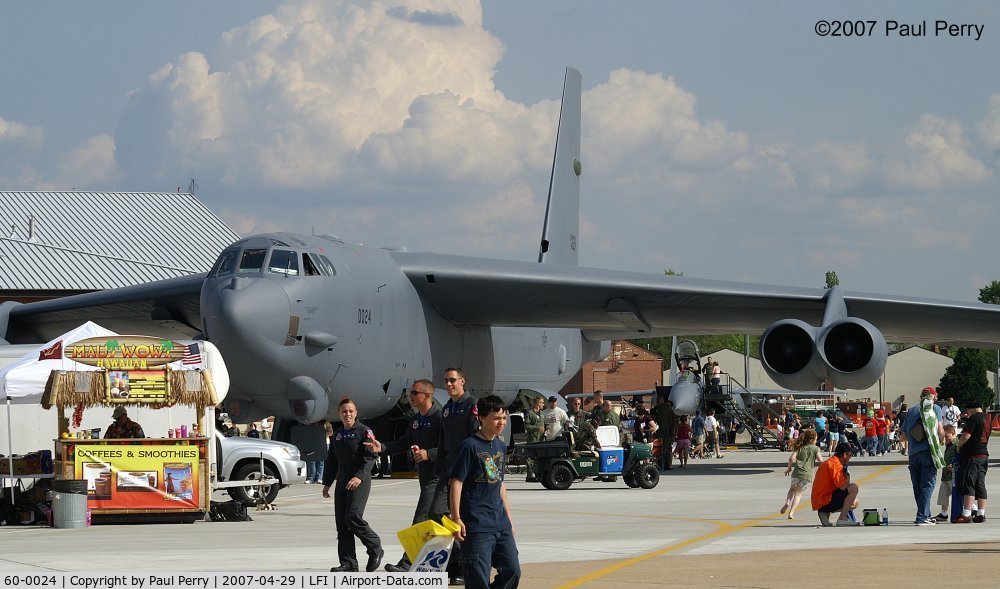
x=460, y=461
x=929, y=438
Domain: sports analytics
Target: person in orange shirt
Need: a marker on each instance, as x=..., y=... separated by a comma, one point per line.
x=833, y=490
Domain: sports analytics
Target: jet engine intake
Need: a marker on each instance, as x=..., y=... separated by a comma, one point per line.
x=851, y=353
x=788, y=355
x=855, y=353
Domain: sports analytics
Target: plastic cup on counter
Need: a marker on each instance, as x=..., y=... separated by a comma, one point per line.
x=184, y=431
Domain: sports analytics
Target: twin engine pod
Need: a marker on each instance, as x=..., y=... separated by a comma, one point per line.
x=851, y=353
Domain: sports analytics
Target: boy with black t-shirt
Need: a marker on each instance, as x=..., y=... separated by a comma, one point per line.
x=972, y=464
x=479, y=502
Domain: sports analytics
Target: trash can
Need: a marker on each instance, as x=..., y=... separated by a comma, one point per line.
x=69, y=503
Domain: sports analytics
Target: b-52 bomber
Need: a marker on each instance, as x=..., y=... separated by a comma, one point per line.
x=303, y=320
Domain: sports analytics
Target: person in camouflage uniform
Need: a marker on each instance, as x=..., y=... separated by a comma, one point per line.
x=534, y=427
x=586, y=435
x=598, y=411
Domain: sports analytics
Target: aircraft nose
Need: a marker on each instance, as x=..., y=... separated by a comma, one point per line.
x=247, y=314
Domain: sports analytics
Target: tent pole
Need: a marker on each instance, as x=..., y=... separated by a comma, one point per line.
x=10, y=454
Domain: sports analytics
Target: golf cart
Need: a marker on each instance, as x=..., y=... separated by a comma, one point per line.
x=558, y=465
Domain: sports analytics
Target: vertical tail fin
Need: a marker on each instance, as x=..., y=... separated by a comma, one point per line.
x=560, y=234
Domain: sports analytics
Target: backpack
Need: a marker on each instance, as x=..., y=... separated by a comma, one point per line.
x=917, y=433
x=229, y=511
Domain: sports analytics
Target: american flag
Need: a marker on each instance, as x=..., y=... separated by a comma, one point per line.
x=192, y=355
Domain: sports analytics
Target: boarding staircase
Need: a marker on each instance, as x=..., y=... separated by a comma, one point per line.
x=761, y=437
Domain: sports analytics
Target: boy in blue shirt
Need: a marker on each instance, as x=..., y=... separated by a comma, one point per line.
x=479, y=504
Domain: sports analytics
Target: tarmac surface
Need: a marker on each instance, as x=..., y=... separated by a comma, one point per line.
x=715, y=523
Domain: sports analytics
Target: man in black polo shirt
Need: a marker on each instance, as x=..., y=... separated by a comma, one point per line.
x=972, y=464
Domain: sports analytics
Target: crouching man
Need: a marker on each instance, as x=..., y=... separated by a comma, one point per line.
x=833, y=490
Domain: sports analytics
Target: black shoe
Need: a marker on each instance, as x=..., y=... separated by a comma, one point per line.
x=374, y=560
x=941, y=517
x=344, y=569
x=531, y=479
x=401, y=567
x=978, y=519
x=457, y=580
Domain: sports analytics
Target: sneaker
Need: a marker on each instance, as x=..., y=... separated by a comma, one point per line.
x=924, y=522
x=824, y=518
x=847, y=522
x=978, y=519
x=963, y=519
x=941, y=517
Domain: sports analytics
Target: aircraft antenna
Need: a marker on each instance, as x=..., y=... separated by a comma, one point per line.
x=192, y=185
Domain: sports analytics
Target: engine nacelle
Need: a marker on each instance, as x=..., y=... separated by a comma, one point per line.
x=851, y=353
x=854, y=352
x=788, y=355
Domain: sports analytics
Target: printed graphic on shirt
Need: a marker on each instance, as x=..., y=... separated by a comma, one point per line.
x=492, y=463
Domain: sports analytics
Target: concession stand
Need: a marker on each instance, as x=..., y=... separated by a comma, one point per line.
x=165, y=476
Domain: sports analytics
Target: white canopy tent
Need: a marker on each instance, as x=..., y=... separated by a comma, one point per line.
x=23, y=382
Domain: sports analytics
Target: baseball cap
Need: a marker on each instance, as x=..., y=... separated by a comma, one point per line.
x=843, y=449
x=928, y=391
x=552, y=398
x=118, y=412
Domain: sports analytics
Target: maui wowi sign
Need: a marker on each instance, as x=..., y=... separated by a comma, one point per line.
x=125, y=352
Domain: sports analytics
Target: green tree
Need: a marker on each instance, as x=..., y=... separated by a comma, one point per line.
x=990, y=293
x=831, y=279
x=672, y=272
x=965, y=380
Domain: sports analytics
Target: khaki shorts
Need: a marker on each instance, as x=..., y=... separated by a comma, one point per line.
x=699, y=440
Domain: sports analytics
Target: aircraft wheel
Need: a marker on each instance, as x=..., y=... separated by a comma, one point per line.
x=559, y=477
x=250, y=496
x=648, y=476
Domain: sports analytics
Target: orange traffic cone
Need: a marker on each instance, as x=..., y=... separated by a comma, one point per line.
x=996, y=422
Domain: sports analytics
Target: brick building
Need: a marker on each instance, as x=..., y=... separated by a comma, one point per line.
x=627, y=368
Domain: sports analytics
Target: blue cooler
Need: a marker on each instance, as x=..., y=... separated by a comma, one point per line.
x=612, y=461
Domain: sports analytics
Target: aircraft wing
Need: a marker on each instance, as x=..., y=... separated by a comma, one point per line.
x=167, y=308
x=608, y=304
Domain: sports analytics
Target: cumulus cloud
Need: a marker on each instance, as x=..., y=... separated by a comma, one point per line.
x=989, y=126
x=14, y=133
x=935, y=153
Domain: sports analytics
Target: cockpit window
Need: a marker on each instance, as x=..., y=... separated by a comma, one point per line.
x=252, y=260
x=310, y=267
x=327, y=265
x=284, y=262
x=225, y=264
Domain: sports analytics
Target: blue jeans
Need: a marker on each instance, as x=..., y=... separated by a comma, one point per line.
x=314, y=470
x=923, y=475
x=482, y=551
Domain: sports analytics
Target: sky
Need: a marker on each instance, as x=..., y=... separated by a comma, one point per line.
x=724, y=140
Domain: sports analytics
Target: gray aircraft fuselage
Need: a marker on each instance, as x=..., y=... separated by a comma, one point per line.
x=303, y=321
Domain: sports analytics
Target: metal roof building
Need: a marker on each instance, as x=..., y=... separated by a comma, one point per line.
x=59, y=243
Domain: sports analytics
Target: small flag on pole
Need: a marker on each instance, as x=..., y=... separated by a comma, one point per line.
x=192, y=355
x=52, y=352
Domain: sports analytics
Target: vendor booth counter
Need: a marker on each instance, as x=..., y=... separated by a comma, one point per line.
x=139, y=479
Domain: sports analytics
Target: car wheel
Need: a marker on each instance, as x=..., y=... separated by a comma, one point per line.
x=252, y=495
x=648, y=476
x=559, y=477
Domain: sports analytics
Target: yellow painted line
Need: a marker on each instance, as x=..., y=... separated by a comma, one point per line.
x=728, y=529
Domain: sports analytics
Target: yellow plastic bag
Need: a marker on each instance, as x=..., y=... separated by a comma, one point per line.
x=414, y=537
